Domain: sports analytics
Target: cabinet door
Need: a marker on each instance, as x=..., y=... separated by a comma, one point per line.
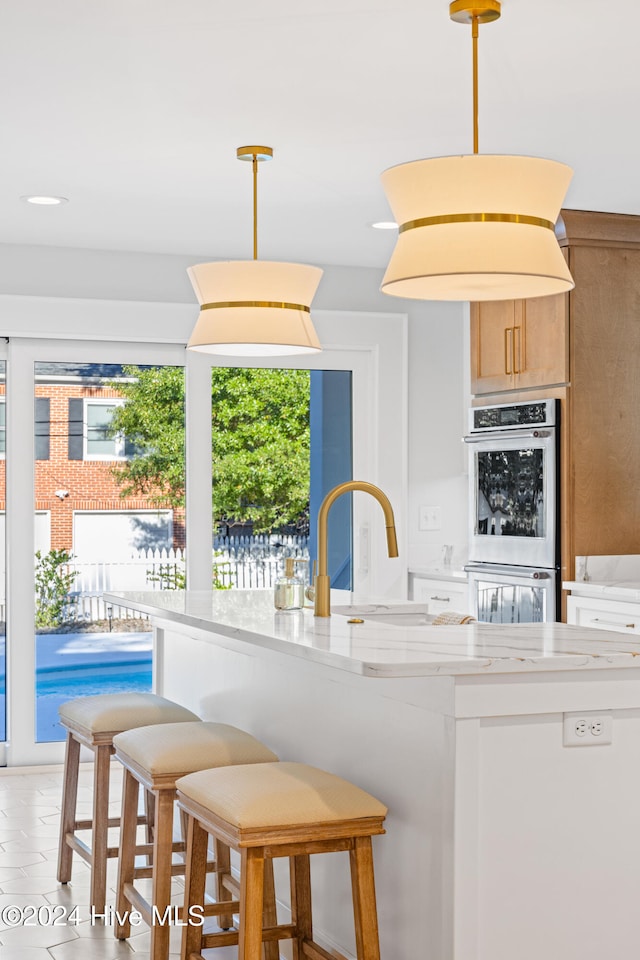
x=440, y=595
x=541, y=341
x=492, y=347
x=616, y=615
x=516, y=344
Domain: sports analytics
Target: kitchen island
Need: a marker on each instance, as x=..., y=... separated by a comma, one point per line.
x=509, y=758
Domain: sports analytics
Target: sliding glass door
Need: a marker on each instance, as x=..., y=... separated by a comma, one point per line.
x=85, y=487
x=87, y=516
x=109, y=515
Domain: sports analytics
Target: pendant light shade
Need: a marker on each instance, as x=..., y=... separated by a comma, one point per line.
x=476, y=227
x=480, y=226
x=254, y=307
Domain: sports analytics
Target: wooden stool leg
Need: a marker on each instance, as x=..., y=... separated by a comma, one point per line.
x=184, y=823
x=149, y=827
x=162, y=859
x=127, y=853
x=223, y=869
x=194, y=883
x=251, y=903
x=69, y=800
x=300, y=873
x=100, y=828
x=364, y=899
x=269, y=911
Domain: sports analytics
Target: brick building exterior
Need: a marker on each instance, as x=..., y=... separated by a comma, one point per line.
x=76, y=494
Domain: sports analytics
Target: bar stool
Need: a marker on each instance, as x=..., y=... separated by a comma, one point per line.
x=155, y=757
x=279, y=810
x=93, y=722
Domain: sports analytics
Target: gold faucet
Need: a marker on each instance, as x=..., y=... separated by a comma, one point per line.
x=322, y=582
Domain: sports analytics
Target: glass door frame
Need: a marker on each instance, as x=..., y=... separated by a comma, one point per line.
x=21, y=746
x=375, y=353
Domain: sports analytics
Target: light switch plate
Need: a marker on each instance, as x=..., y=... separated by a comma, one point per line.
x=430, y=518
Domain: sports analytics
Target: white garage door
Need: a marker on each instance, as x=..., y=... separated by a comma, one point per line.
x=113, y=535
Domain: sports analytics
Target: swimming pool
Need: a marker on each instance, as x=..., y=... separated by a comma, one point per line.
x=56, y=686
x=79, y=665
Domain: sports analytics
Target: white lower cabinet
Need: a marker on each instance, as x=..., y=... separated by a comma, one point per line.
x=440, y=595
x=618, y=615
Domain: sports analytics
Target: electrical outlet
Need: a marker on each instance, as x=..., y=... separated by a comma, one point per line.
x=588, y=729
x=430, y=518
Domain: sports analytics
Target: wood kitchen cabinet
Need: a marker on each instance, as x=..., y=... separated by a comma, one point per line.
x=519, y=344
x=584, y=349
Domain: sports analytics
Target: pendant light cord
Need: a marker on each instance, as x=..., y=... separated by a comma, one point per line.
x=474, y=38
x=255, y=154
x=254, y=164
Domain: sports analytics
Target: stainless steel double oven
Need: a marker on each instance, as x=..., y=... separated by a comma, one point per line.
x=513, y=510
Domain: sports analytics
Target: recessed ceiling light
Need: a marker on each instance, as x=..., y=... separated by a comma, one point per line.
x=45, y=201
x=385, y=225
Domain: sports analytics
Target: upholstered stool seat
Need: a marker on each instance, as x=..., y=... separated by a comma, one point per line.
x=93, y=722
x=155, y=758
x=279, y=810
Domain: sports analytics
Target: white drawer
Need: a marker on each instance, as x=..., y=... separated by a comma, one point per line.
x=620, y=616
x=440, y=595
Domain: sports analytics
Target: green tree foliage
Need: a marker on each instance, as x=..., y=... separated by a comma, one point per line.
x=260, y=439
x=152, y=420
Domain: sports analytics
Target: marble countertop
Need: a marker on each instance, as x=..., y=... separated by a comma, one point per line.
x=607, y=589
x=439, y=572
x=608, y=577
x=377, y=648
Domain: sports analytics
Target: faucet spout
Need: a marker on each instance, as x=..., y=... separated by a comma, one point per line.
x=322, y=583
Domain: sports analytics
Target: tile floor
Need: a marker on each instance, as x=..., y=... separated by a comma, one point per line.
x=33, y=925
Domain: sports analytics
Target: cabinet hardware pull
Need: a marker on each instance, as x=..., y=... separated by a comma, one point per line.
x=613, y=623
x=517, y=350
x=508, y=351
x=442, y=599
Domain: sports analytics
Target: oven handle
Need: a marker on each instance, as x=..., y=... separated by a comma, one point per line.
x=496, y=570
x=505, y=434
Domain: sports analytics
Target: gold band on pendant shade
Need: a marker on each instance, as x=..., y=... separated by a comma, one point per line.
x=279, y=305
x=477, y=218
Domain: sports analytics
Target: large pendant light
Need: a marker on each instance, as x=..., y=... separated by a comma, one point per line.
x=254, y=307
x=477, y=227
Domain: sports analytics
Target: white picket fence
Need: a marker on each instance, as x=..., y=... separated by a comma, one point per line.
x=240, y=562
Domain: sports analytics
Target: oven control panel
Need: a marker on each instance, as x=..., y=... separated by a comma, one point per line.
x=513, y=416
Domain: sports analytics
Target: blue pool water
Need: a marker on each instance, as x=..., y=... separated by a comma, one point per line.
x=79, y=665
x=54, y=687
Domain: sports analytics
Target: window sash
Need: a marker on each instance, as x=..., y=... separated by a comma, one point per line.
x=98, y=445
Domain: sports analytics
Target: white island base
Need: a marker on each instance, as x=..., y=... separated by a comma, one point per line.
x=502, y=842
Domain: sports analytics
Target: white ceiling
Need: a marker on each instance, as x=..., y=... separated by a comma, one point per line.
x=133, y=109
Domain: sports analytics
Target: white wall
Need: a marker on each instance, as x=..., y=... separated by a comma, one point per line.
x=438, y=404
x=438, y=355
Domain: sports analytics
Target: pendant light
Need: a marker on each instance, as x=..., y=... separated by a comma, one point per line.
x=476, y=227
x=254, y=307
